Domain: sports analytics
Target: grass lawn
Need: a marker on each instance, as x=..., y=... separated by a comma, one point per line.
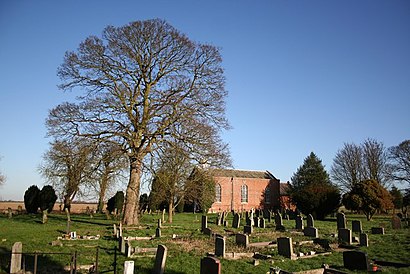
x=188, y=247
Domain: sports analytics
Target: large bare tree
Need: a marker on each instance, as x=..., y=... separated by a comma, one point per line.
x=2, y=178
x=142, y=82
x=400, y=157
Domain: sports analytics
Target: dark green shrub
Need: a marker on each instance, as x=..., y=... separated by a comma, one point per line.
x=31, y=199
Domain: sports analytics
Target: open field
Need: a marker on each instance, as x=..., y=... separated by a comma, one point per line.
x=186, y=244
x=76, y=207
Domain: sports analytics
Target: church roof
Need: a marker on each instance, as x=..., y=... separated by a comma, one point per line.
x=235, y=173
x=283, y=188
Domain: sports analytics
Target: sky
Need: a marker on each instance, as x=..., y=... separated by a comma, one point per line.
x=302, y=76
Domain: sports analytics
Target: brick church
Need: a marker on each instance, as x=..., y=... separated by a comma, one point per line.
x=242, y=190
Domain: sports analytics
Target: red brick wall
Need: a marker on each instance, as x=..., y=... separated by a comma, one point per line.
x=256, y=190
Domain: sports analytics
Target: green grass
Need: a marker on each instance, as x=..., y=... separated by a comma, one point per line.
x=184, y=252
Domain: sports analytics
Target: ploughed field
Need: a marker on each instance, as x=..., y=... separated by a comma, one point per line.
x=185, y=242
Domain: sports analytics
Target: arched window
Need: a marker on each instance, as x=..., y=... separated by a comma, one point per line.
x=218, y=192
x=244, y=193
x=267, y=195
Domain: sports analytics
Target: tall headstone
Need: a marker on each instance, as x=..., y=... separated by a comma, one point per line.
x=160, y=259
x=363, y=239
x=248, y=229
x=236, y=220
x=262, y=223
x=158, y=232
x=341, y=220
x=115, y=230
x=256, y=221
x=159, y=224
x=279, y=222
x=285, y=247
x=242, y=239
x=299, y=222
x=210, y=265
x=128, y=249
x=163, y=215
x=220, y=247
x=219, y=219
x=15, y=264
x=345, y=235
x=310, y=222
x=357, y=226
x=204, y=222
x=129, y=267
x=356, y=260
x=121, y=241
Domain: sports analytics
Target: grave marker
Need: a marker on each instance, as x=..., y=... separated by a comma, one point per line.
x=285, y=247
x=310, y=221
x=248, y=229
x=345, y=235
x=363, y=239
x=220, y=247
x=129, y=267
x=15, y=264
x=236, y=220
x=377, y=230
x=396, y=222
x=341, y=220
x=357, y=226
x=356, y=260
x=242, y=239
x=299, y=222
x=210, y=265
x=204, y=222
x=311, y=232
x=160, y=259
x=262, y=223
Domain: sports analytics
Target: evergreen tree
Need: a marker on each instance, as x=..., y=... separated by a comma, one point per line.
x=47, y=198
x=312, y=191
x=31, y=199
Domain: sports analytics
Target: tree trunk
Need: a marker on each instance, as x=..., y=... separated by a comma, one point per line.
x=170, y=210
x=103, y=189
x=132, y=193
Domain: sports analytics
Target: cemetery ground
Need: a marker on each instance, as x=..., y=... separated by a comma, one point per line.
x=186, y=244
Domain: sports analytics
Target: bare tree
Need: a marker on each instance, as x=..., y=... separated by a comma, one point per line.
x=355, y=163
x=2, y=178
x=347, y=167
x=67, y=166
x=400, y=157
x=141, y=81
x=375, y=162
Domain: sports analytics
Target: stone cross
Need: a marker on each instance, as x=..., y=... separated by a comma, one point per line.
x=15, y=264
x=160, y=259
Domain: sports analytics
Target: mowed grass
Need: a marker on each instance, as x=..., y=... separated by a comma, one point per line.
x=186, y=244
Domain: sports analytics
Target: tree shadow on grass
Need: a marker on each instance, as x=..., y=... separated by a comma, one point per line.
x=45, y=264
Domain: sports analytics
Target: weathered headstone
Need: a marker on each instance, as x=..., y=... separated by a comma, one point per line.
x=115, y=230
x=248, y=229
x=356, y=260
x=226, y=223
x=163, y=215
x=256, y=221
x=262, y=223
x=128, y=249
x=310, y=222
x=279, y=222
x=219, y=219
x=121, y=242
x=120, y=230
x=210, y=265
x=377, y=230
x=345, y=235
x=160, y=259
x=242, y=239
x=129, y=267
x=299, y=222
x=158, y=232
x=220, y=247
x=396, y=222
x=10, y=213
x=341, y=220
x=16, y=255
x=204, y=222
x=311, y=232
x=159, y=224
x=363, y=239
x=357, y=226
x=285, y=247
x=207, y=231
x=236, y=220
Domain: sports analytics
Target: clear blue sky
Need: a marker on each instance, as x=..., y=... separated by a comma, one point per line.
x=302, y=75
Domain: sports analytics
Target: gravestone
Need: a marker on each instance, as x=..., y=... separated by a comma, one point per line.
x=345, y=235
x=210, y=265
x=242, y=239
x=310, y=222
x=128, y=249
x=226, y=223
x=363, y=239
x=15, y=264
x=158, y=232
x=219, y=219
x=121, y=242
x=207, y=231
x=357, y=226
x=299, y=222
x=396, y=222
x=220, y=247
x=115, y=230
x=236, y=220
x=159, y=224
x=129, y=267
x=262, y=223
x=279, y=222
x=311, y=232
x=204, y=222
x=356, y=260
x=160, y=259
x=341, y=220
x=248, y=229
x=256, y=221
x=377, y=230
x=285, y=247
